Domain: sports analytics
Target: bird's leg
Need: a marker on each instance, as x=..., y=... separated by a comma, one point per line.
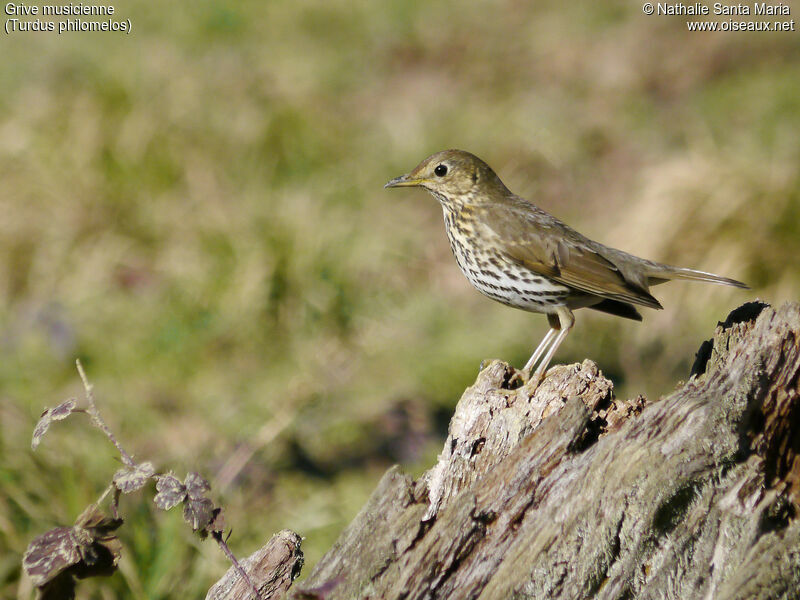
x=525, y=373
x=540, y=350
x=564, y=318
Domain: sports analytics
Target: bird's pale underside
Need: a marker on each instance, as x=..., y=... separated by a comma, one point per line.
x=517, y=254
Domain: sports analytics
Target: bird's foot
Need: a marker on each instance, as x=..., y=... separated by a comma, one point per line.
x=518, y=379
x=523, y=378
x=534, y=381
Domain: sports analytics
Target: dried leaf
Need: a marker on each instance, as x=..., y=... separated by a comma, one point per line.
x=196, y=486
x=97, y=523
x=62, y=411
x=100, y=549
x=50, y=554
x=129, y=480
x=40, y=429
x=171, y=492
x=87, y=549
x=198, y=512
x=197, y=509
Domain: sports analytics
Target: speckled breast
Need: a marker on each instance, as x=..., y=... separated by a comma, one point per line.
x=493, y=274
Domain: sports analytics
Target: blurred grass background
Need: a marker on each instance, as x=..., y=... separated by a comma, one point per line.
x=195, y=211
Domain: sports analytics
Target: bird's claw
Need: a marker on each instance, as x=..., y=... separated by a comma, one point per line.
x=526, y=380
x=518, y=376
x=534, y=381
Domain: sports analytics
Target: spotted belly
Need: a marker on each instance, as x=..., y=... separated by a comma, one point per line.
x=507, y=282
x=514, y=286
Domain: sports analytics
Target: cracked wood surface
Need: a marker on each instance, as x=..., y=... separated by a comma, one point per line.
x=567, y=492
x=272, y=568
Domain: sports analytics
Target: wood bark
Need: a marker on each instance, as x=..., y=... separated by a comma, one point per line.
x=564, y=491
x=272, y=569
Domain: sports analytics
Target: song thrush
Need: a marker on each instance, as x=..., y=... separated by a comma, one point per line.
x=517, y=254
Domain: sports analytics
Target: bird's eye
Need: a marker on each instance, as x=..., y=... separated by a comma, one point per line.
x=440, y=170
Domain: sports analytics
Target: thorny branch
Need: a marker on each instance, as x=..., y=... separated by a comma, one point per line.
x=90, y=548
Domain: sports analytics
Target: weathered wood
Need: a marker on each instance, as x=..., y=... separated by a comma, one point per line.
x=566, y=492
x=272, y=568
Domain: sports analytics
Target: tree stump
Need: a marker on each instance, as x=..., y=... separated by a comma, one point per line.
x=564, y=491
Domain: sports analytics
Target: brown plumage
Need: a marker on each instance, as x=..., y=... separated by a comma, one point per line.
x=517, y=254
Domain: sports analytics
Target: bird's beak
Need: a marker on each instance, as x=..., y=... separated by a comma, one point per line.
x=403, y=181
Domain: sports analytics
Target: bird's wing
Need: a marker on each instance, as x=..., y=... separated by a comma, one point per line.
x=538, y=241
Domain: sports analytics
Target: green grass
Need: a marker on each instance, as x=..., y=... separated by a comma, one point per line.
x=196, y=212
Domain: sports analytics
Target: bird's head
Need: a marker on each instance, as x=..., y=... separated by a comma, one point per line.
x=453, y=177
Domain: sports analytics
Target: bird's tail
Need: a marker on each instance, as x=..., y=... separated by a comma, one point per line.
x=693, y=275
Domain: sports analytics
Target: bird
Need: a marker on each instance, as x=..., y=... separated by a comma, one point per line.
x=514, y=252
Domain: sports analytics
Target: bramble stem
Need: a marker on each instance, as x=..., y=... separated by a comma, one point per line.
x=217, y=535
x=98, y=420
